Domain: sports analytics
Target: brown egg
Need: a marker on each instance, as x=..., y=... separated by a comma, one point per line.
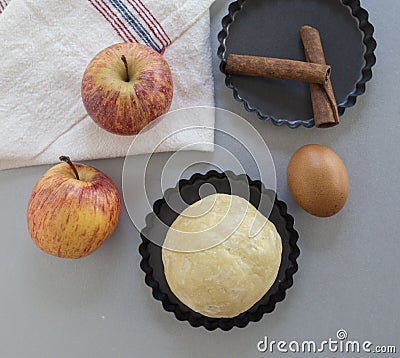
x=318, y=180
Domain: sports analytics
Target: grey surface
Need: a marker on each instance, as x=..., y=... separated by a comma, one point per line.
x=348, y=276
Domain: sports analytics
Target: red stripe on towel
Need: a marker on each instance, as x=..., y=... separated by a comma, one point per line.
x=109, y=20
x=148, y=22
x=115, y=17
x=115, y=22
x=155, y=21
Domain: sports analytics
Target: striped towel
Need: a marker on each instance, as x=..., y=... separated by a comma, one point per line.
x=133, y=22
x=46, y=46
x=3, y=4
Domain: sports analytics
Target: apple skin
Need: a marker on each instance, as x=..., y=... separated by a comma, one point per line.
x=126, y=107
x=71, y=218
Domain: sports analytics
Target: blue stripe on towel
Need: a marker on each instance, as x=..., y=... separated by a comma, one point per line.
x=134, y=23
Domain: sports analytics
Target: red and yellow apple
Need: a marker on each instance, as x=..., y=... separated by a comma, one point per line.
x=126, y=86
x=72, y=210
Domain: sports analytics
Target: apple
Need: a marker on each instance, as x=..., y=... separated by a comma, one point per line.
x=126, y=86
x=72, y=210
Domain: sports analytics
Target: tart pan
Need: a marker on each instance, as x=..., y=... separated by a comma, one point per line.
x=271, y=28
x=188, y=190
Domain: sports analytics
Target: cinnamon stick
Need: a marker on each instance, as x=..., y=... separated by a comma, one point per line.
x=277, y=68
x=322, y=96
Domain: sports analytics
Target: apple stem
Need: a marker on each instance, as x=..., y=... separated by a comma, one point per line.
x=123, y=58
x=67, y=160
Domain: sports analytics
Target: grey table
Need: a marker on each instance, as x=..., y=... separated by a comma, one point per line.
x=348, y=276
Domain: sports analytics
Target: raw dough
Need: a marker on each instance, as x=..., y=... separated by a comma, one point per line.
x=229, y=270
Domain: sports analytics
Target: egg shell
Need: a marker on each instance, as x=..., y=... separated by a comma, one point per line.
x=318, y=180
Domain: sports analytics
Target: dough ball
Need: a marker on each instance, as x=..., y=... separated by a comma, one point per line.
x=221, y=256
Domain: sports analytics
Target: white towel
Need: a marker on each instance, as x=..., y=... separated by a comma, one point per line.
x=45, y=47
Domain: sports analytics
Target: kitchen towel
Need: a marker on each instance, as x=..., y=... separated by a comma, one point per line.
x=45, y=47
x=3, y=5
